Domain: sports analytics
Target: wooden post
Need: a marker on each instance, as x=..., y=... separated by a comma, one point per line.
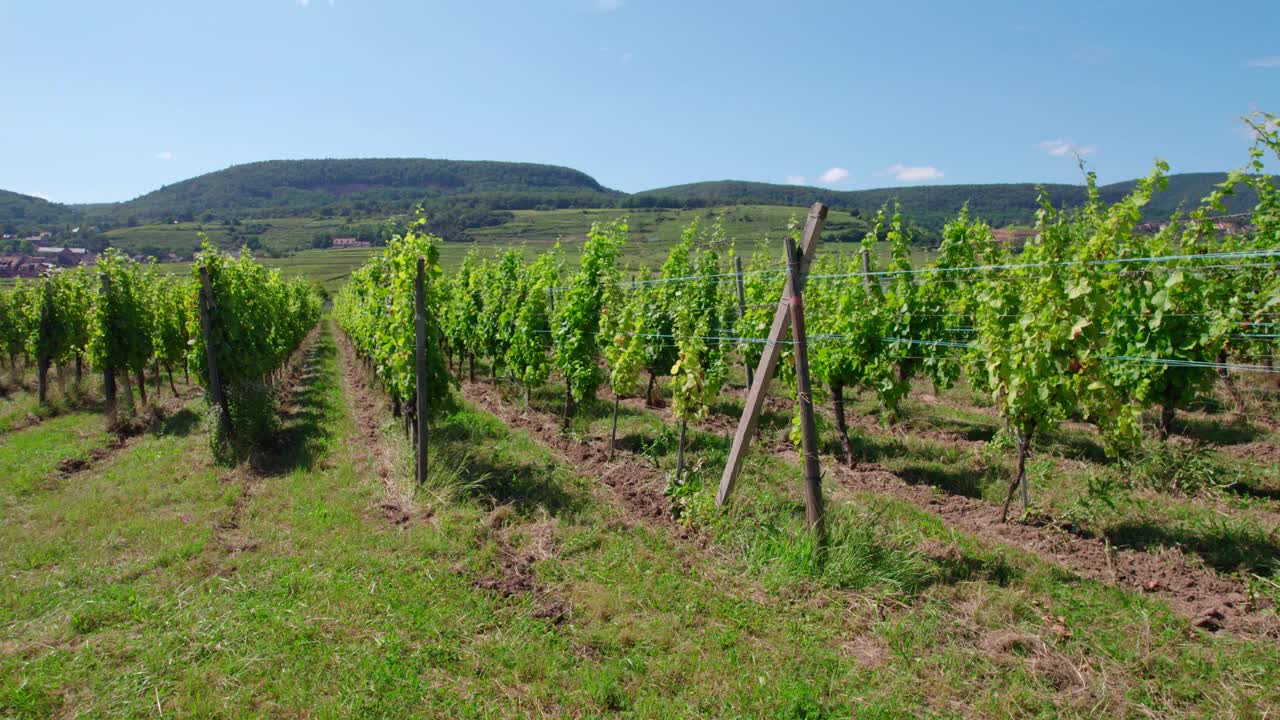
x=42, y=351
x=207, y=307
x=684, y=424
x=804, y=393
x=142, y=383
x=108, y=372
x=742, y=309
x=769, y=358
x=420, y=354
x=128, y=392
x=866, y=268
x=613, y=434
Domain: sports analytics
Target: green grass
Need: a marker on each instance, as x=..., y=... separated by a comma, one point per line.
x=292, y=591
x=28, y=457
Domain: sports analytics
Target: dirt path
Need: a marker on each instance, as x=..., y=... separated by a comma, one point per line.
x=249, y=476
x=637, y=485
x=1209, y=600
x=368, y=410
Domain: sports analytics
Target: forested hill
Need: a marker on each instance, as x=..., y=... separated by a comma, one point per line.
x=932, y=205
x=305, y=187
x=25, y=210
x=465, y=195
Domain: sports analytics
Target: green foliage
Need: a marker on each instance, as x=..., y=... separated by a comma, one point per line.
x=700, y=315
x=851, y=324
x=257, y=320
x=376, y=309
x=528, y=351
x=578, y=317
x=64, y=325
x=122, y=315
x=175, y=316
x=500, y=289
x=624, y=329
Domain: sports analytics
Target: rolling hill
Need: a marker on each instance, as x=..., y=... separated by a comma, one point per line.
x=932, y=205
x=298, y=200
x=19, y=209
x=279, y=188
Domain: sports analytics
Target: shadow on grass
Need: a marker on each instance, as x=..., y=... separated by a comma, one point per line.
x=306, y=422
x=952, y=480
x=966, y=429
x=1075, y=445
x=1234, y=431
x=1224, y=547
x=180, y=424
x=1253, y=490
x=958, y=567
x=500, y=475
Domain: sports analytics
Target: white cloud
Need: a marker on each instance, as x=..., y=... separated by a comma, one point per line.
x=42, y=196
x=304, y=3
x=608, y=5
x=833, y=175
x=913, y=173
x=165, y=155
x=1270, y=61
x=1061, y=148
x=795, y=180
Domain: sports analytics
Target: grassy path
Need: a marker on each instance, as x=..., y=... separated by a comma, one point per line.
x=319, y=584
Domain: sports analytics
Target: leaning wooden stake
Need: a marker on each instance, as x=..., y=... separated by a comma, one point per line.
x=420, y=355
x=808, y=428
x=207, y=308
x=742, y=308
x=769, y=358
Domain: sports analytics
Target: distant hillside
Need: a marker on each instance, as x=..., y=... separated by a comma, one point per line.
x=285, y=188
x=932, y=205
x=464, y=198
x=20, y=210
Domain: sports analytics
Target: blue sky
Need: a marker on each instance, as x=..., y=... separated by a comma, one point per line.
x=104, y=101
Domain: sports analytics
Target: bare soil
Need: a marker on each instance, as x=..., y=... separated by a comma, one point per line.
x=1208, y=600
x=369, y=408
x=637, y=485
x=151, y=418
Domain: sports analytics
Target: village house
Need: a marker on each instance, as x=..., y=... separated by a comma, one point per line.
x=67, y=256
x=1013, y=235
x=349, y=243
x=21, y=266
